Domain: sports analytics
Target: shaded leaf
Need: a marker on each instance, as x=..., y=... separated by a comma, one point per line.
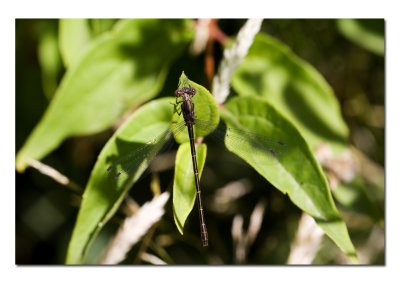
x=295, y=88
x=368, y=33
x=101, y=25
x=50, y=61
x=356, y=197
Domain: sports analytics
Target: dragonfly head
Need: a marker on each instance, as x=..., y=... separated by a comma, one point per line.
x=185, y=90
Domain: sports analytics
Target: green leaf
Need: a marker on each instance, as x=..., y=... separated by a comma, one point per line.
x=50, y=62
x=184, y=195
x=119, y=70
x=74, y=36
x=295, y=88
x=295, y=172
x=104, y=192
x=205, y=110
x=368, y=33
x=356, y=197
x=101, y=25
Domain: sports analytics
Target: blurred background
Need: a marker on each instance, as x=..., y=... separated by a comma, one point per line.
x=351, y=61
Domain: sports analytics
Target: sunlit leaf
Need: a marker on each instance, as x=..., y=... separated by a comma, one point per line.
x=74, y=37
x=125, y=157
x=184, y=195
x=119, y=70
x=205, y=110
x=295, y=172
x=105, y=191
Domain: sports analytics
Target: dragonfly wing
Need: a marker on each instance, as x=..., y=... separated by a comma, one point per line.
x=135, y=162
x=255, y=147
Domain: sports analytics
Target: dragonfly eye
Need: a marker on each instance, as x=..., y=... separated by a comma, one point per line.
x=192, y=91
x=185, y=90
x=188, y=90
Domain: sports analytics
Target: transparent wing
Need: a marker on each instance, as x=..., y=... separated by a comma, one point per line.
x=135, y=162
x=255, y=147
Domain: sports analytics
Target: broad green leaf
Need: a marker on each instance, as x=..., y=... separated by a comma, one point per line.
x=184, y=195
x=74, y=37
x=104, y=192
x=119, y=70
x=295, y=88
x=369, y=33
x=295, y=172
x=205, y=110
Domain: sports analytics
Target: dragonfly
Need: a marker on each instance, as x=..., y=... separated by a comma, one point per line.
x=187, y=109
x=240, y=139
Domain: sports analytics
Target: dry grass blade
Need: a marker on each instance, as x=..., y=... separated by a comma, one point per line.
x=55, y=175
x=133, y=228
x=307, y=241
x=242, y=240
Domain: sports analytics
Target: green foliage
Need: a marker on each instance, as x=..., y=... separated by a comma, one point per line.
x=361, y=197
x=295, y=88
x=184, y=195
x=282, y=111
x=119, y=70
x=49, y=58
x=104, y=192
x=368, y=33
x=306, y=187
x=74, y=37
x=205, y=110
